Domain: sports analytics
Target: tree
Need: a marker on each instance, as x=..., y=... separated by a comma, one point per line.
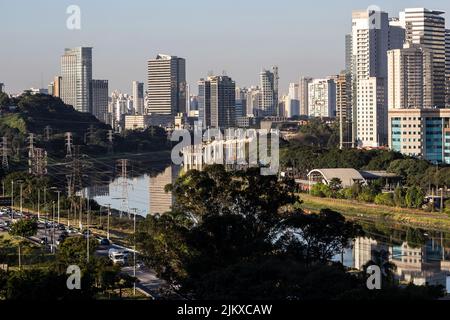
x=23, y=228
x=414, y=197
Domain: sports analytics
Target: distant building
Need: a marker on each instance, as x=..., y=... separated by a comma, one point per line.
x=138, y=97
x=322, y=98
x=410, y=78
x=344, y=110
x=99, y=100
x=223, y=102
x=137, y=122
x=422, y=133
x=54, y=88
x=447, y=67
x=303, y=95
x=34, y=91
x=1, y=87
x=269, y=92
x=166, y=85
x=427, y=28
x=204, y=102
x=76, y=73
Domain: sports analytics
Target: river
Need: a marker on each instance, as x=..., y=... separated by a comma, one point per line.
x=420, y=256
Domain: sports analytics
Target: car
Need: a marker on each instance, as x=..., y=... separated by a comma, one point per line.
x=105, y=242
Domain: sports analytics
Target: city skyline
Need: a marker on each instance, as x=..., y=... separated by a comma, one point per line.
x=128, y=47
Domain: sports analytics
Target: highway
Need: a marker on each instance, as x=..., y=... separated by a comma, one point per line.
x=49, y=233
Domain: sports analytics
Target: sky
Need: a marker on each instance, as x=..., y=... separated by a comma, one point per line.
x=238, y=37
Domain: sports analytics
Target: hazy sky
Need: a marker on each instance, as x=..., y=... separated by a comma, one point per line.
x=240, y=37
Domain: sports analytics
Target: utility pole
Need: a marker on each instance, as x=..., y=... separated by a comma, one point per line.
x=107, y=227
x=58, y=192
x=21, y=202
x=134, y=250
x=12, y=199
x=39, y=204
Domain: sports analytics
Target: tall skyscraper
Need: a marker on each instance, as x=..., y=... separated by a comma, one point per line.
x=370, y=43
x=322, y=98
x=253, y=98
x=427, y=27
x=303, y=95
x=76, y=73
x=397, y=34
x=204, y=102
x=410, y=78
x=269, y=91
x=292, y=101
x=138, y=97
x=166, y=85
x=343, y=109
x=447, y=67
x=223, y=102
x=100, y=99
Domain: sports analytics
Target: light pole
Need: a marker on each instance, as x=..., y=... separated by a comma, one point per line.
x=21, y=199
x=58, y=192
x=53, y=227
x=39, y=204
x=107, y=227
x=134, y=251
x=12, y=199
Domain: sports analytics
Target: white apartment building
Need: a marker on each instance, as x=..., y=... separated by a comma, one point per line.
x=322, y=98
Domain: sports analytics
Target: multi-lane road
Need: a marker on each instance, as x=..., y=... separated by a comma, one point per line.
x=51, y=233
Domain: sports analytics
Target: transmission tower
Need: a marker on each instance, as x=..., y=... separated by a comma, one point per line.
x=69, y=142
x=47, y=133
x=122, y=168
x=110, y=142
x=5, y=152
x=37, y=162
x=89, y=135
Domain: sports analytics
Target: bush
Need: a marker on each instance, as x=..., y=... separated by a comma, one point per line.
x=321, y=190
x=385, y=199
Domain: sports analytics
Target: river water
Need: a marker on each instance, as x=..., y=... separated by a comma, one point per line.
x=420, y=256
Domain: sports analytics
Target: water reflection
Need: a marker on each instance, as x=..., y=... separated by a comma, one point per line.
x=420, y=264
x=145, y=193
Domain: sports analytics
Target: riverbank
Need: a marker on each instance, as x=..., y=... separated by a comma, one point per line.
x=356, y=210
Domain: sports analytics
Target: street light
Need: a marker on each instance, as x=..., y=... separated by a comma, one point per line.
x=58, y=192
x=134, y=250
x=108, y=205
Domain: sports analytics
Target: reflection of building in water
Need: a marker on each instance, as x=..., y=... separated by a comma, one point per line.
x=160, y=201
x=98, y=191
x=419, y=265
x=363, y=251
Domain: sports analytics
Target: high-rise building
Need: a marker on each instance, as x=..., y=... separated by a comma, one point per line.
x=348, y=53
x=410, y=77
x=303, y=95
x=427, y=27
x=447, y=67
x=370, y=43
x=1, y=87
x=322, y=98
x=54, y=87
x=223, y=102
x=253, y=98
x=166, y=85
x=397, y=34
x=343, y=110
x=100, y=99
x=241, y=102
x=138, y=97
x=204, y=102
x=76, y=73
x=292, y=101
x=269, y=91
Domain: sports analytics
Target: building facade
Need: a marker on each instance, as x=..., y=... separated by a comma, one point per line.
x=269, y=91
x=427, y=28
x=100, y=98
x=422, y=133
x=76, y=73
x=410, y=79
x=138, y=97
x=322, y=98
x=166, y=85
